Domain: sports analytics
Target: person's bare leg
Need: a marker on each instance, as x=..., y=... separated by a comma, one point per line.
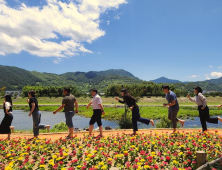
x=101, y=131
x=152, y=122
x=220, y=119
x=71, y=131
x=9, y=136
x=90, y=129
x=174, y=130
x=181, y=122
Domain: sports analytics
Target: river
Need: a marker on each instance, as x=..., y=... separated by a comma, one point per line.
x=22, y=121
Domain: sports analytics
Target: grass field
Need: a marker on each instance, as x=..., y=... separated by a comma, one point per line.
x=113, y=113
x=151, y=112
x=111, y=100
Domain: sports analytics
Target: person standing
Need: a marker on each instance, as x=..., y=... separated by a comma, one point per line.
x=36, y=114
x=204, y=115
x=173, y=107
x=97, y=112
x=69, y=102
x=131, y=103
x=7, y=120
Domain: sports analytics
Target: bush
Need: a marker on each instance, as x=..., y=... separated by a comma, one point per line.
x=164, y=122
x=125, y=120
x=60, y=126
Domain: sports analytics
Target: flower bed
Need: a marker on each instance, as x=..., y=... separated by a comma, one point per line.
x=144, y=151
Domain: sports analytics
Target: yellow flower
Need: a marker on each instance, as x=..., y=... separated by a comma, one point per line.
x=20, y=158
x=125, y=152
x=101, y=163
x=94, y=151
x=175, y=162
x=11, y=163
x=8, y=155
x=54, y=156
x=142, y=160
x=8, y=168
x=103, y=167
x=110, y=159
x=181, y=153
x=101, y=149
x=182, y=146
x=79, y=166
x=42, y=166
x=89, y=155
x=63, y=169
x=138, y=163
x=65, y=154
x=80, y=147
x=146, y=166
x=153, y=153
x=132, y=146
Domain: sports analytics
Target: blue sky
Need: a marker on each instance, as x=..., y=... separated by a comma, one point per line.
x=149, y=38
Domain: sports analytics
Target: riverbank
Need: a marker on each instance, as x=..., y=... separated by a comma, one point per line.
x=115, y=112
x=55, y=136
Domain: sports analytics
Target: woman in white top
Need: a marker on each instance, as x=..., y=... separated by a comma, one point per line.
x=204, y=115
x=7, y=120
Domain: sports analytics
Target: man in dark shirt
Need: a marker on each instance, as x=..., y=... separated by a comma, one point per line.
x=131, y=103
x=68, y=103
x=173, y=107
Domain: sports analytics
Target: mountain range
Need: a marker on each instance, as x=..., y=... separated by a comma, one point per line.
x=14, y=78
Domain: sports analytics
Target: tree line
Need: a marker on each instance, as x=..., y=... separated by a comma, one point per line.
x=137, y=90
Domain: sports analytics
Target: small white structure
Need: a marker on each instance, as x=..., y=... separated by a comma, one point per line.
x=12, y=93
x=208, y=91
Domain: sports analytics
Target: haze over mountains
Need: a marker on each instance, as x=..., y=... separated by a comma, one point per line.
x=14, y=78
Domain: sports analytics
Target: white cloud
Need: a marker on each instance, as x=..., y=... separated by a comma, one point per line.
x=220, y=67
x=208, y=78
x=57, y=61
x=193, y=76
x=37, y=29
x=216, y=74
x=108, y=22
x=210, y=66
x=117, y=16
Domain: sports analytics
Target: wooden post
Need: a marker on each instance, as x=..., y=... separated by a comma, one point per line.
x=201, y=158
x=12, y=128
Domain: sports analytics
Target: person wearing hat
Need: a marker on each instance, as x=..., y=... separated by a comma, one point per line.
x=173, y=107
x=131, y=103
x=204, y=115
x=97, y=112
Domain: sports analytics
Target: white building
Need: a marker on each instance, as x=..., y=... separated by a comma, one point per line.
x=208, y=91
x=12, y=93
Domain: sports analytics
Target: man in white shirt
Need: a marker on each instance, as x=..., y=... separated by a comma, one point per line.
x=97, y=112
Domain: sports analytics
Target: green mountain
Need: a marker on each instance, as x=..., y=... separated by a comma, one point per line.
x=165, y=80
x=14, y=78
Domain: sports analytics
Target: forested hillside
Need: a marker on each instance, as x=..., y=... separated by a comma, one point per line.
x=14, y=78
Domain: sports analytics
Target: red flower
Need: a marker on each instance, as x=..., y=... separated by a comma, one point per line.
x=60, y=162
x=156, y=167
x=168, y=158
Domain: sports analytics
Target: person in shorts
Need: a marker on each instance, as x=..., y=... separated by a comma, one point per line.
x=97, y=112
x=69, y=102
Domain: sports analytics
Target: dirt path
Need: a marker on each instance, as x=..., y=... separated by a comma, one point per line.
x=55, y=136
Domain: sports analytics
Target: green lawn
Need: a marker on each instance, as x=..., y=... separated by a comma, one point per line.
x=151, y=112
x=111, y=100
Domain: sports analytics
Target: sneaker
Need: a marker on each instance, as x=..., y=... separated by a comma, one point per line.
x=68, y=137
x=47, y=127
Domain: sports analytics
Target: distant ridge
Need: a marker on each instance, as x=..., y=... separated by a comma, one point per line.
x=165, y=80
x=14, y=78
